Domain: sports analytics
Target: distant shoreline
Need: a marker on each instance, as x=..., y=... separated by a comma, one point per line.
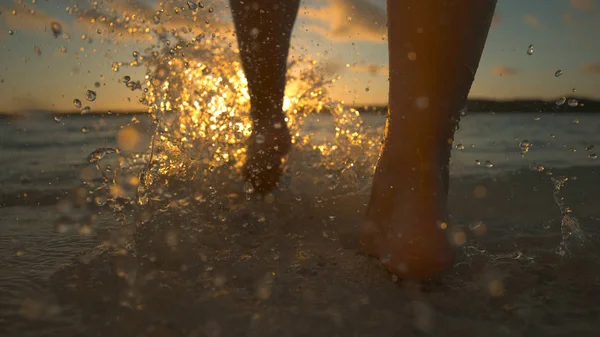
x=474, y=106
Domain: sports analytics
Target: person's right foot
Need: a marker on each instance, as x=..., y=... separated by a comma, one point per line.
x=405, y=224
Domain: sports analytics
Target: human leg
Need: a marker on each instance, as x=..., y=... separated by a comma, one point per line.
x=435, y=47
x=263, y=29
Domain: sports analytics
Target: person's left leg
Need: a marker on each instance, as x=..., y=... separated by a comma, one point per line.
x=263, y=29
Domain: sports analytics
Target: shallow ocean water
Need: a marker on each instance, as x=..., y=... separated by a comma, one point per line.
x=232, y=266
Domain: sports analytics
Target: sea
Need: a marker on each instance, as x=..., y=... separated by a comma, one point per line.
x=280, y=270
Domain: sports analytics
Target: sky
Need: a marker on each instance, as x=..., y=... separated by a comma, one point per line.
x=41, y=72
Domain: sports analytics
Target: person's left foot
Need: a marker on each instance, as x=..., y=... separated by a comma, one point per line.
x=266, y=150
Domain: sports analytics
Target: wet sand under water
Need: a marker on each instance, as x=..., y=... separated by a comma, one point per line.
x=278, y=268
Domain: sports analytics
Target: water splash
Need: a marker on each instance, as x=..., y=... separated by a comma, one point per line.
x=195, y=92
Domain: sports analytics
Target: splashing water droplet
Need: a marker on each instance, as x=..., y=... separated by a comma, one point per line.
x=367, y=89
x=86, y=110
x=488, y=164
x=85, y=129
x=260, y=138
x=135, y=54
x=558, y=73
x=162, y=73
x=572, y=102
x=126, y=79
x=192, y=5
x=90, y=95
x=524, y=145
x=77, y=103
x=593, y=156
x=100, y=153
x=210, y=9
x=11, y=32
x=530, y=49
x=57, y=119
x=248, y=188
x=589, y=148
x=460, y=147
x=56, y=29
x=561, y=101
x=200, y=4
x=574, y=90
x=115, y=67
x=477, y=162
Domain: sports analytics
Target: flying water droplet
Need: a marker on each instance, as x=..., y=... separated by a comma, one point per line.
x=593, y=156
x=37, y=50
x=135, y=54
x=57, y=118
x=572, y=102
x=589, y=148
x=162, y=72
x=488, y=164
x=86, y=110
x=248, y=188
x=56, y=29
x=558, y=73
x=561, y=101
x=260, y=138
x=477, y=162
x=115, y=67
x=460, y=147
x=126, y=79
x=90, y=95
x=524, y=145
x=210, y=9
x=200, y=4
x=100, y=153
x=11, y=32
x=85, y=129
x=192, y=5
x=530, y=49
x=77, y=103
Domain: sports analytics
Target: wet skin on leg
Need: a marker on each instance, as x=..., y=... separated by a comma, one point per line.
x=263, y=29
x=434, y=50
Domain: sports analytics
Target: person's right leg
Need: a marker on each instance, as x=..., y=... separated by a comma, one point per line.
x=435, y=47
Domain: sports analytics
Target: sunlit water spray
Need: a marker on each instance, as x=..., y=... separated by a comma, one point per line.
x=197, y=96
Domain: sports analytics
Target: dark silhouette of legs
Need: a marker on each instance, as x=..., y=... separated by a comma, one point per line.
x=263, y=31
x=435, y=47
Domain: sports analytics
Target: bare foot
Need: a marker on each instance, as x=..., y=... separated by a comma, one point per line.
x=405, y=223
x=267, y=147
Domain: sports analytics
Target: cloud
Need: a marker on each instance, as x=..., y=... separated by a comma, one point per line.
x=114, y=17
x=582, y=5
x=344, y=20
x=591, y=68
x=532, y=21
x=567, y=19
x=29, y=19
x=501, y=70
x=371, y=68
